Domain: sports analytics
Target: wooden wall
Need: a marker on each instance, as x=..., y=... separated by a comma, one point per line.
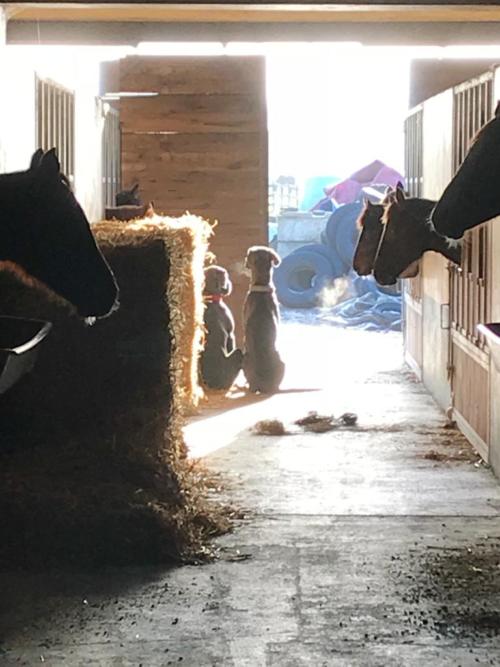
x=471, y=389
x=413, y=333
x=199, y=145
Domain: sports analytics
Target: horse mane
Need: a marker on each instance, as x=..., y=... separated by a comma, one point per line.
x=360, y=222
x=415, y=206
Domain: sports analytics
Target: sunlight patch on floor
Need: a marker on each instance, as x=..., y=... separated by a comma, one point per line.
x=329, y=357
x=216, y=428
x=324, y=368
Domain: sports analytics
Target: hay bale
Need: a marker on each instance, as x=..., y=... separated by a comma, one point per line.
x=92, y=461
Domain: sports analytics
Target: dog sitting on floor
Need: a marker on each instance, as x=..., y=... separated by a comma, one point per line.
x=262, y=364
x=220, y=360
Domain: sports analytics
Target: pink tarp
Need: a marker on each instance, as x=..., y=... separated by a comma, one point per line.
x=375, y=173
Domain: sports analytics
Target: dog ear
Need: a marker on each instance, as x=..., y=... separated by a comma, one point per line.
x=275, y=257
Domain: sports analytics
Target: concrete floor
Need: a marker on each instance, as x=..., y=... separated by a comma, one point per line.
x=372, y=546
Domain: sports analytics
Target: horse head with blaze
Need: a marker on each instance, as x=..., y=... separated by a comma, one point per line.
x=370, y=230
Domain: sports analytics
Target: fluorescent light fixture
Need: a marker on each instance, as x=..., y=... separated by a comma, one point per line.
x=290, y=48
x=180, y=49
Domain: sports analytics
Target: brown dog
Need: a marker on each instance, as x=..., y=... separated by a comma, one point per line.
x=262, y=363
x=221, y=360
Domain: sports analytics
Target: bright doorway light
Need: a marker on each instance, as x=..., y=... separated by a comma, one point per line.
x=332, y=111
x=180, y=49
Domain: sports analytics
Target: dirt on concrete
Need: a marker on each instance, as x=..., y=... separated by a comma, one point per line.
x=452, y=591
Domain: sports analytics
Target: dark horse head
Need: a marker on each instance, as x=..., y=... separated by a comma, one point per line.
x=473, y=195
x=370, y=226
x=370, y=230
x=45, y=232
x=407, y=234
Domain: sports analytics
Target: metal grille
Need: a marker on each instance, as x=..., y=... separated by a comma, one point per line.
x=55, y=124
x=414, y=176
x=414, y=172
x=472, y=108
x=111, y=155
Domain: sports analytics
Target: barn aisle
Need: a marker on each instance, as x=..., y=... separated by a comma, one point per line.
x=377, y=545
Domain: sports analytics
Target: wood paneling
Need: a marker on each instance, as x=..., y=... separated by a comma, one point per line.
x=413, y=332
x=471, y=391
x=192, y=113
x=200, y=146
x=190, y=75
x=235, y=152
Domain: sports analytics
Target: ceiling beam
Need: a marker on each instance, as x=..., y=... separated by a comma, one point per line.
x=132, y=33
x=255, y=12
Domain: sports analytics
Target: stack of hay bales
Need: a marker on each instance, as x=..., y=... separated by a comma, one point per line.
x=93, y=465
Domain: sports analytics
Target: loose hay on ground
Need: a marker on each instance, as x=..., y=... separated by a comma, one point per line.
x=270, y=427
x=93, y=465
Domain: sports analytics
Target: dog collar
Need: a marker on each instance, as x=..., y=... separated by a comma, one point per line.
x=213, y=298
x=269, y=289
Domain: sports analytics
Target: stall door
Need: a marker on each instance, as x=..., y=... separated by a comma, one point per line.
x=470, y=299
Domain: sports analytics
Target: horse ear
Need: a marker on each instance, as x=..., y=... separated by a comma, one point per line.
x=35, y=158
x=400, y=195
x=135, y=188
x=497, y=109
x=400, y=186
x=368, y=203
x=49, y=163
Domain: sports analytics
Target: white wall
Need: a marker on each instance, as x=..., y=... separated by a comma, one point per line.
x=88, y=134
x=17, y=117
x=3, y=27
x=435, y=285
x=77, y=71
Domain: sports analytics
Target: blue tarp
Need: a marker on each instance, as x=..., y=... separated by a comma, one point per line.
x=314, y=190
x=372, y=309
